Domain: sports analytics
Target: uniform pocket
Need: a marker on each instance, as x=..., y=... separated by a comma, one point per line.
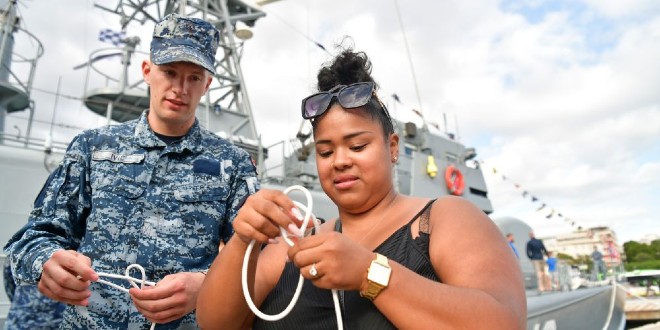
x=116, y=186
x=201, y=193
x=202, y=209
x=121, y=174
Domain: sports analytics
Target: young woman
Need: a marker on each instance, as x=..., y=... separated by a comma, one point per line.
x=397, y=261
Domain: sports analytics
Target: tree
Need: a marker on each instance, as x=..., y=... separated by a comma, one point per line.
x=634, y=249
x=642, y=256
x=655, y=248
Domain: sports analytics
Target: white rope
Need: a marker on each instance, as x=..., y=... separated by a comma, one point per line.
x=615, y=286
x=654, y=302
x=131, y=280
x=308, y=215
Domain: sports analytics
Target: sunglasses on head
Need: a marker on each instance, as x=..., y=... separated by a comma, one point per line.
x=349, y=96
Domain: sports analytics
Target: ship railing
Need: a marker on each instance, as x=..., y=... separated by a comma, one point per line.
x=32, y=143
x=25, y=77
x=14, y=71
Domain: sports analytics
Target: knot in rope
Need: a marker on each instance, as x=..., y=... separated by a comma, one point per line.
x=132, y=280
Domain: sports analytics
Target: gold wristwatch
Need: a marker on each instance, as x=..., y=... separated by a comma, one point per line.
x=378, y=277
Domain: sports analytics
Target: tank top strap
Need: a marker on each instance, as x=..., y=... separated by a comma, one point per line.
x=424, y=215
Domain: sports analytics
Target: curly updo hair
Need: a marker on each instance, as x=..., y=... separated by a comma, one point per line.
x=350, y=67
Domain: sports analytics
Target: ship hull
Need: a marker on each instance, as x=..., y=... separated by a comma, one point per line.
x=583, y=309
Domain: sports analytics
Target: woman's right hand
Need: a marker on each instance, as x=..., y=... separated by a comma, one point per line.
x=263, y=213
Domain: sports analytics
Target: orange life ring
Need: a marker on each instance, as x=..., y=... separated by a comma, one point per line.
x=454, y=180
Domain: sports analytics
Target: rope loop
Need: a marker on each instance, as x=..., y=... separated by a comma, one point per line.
x=307, y=209
x=132, y=280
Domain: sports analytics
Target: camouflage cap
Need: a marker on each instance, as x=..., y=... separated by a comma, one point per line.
x=186, y=39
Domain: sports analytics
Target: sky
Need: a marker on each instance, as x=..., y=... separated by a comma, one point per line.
x=559, y=97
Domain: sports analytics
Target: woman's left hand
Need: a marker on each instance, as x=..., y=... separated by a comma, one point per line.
x=340, y=263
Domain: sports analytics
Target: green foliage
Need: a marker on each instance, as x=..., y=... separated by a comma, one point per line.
x=632, y=249
x=642, y=256
x=640, y=265
x=655, y=247
x=585, y=260
x=567, y=258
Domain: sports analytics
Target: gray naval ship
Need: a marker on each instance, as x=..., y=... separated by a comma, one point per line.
x=430, y=164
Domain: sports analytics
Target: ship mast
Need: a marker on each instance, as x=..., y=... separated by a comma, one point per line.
x=15, y=89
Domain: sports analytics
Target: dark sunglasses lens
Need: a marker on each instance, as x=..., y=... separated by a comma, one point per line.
x=355, y=96
x=316, y=105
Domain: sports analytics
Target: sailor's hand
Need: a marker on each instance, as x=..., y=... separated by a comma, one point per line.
x=263, y=213
x=66, y=277
x=171, y=299
x=339, y=262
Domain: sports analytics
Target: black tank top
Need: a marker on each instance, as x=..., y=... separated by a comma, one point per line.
x=315, y=308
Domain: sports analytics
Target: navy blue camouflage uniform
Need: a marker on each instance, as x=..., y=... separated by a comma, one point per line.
x=123, y=196
x=29, y=308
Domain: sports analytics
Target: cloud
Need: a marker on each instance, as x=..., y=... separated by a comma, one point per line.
x=560, y=96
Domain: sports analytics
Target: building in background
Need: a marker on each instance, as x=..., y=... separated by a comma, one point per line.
x=581, y=243
x=649, y=238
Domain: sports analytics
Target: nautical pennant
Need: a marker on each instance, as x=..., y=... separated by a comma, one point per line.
x=551, y=214
x=525, y=194
x=114, y=37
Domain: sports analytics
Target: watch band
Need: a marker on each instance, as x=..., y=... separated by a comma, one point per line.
x=378, y=276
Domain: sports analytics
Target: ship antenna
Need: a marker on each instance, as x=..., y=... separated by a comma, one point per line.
x=48, y=146
x=410, y=62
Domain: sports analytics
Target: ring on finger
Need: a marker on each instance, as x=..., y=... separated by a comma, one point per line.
x=313, y=271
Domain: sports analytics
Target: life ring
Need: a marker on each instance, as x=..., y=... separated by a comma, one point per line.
x=454, y=180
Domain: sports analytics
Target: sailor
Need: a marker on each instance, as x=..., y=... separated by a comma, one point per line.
x=159, y=191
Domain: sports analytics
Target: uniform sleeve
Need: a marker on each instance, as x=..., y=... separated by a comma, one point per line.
x=245, y=183
x=8, y=278
x=57, y=220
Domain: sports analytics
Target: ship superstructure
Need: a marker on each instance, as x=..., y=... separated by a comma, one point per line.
x=431, y=163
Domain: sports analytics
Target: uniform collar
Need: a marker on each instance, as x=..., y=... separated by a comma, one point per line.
x=146, y=138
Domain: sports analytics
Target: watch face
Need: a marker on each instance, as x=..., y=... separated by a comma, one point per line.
x=379, y=274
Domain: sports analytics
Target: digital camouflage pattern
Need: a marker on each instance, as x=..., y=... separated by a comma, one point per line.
x=185, y=39
x=123, y=196
x=31, y=310
x=8, y=281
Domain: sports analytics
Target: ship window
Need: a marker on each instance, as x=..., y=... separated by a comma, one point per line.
x=452, y=158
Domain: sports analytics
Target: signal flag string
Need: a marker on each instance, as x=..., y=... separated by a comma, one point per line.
x=552, y=212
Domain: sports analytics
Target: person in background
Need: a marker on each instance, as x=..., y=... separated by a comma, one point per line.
x=535, y=252
x=398, y=261
x=553, y=280
x=598, y=264
x=509, y=238
x=159, y=191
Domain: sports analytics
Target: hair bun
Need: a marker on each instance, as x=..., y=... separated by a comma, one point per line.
x=347, y=68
